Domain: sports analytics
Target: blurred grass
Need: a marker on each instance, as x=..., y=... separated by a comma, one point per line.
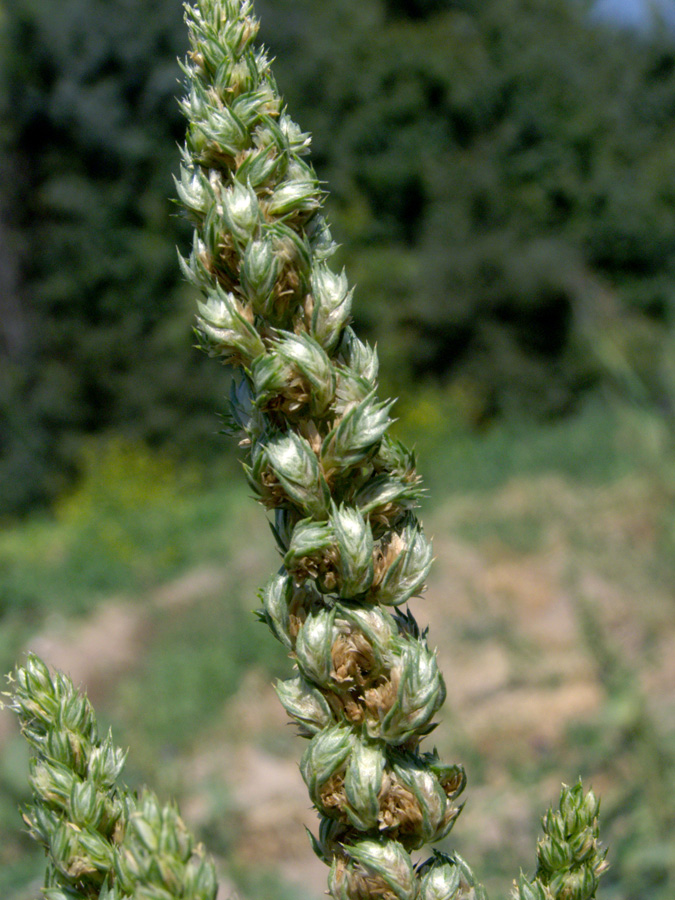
x=587, y=447
x=133, y=522
x=195, y=660
x=135, y=525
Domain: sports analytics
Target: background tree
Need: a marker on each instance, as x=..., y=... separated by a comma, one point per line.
x=97, y=332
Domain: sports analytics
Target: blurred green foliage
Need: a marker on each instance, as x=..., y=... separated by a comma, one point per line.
x=118, y=479
x=586, y=446
x=502, y=174
x=96, y=333
x=632, y=743
x=501, y=182
x=132, y=521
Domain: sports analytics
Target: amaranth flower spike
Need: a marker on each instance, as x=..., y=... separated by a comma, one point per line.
x=341, y=492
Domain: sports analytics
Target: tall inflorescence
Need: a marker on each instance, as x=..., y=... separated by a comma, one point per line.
x=342, y=493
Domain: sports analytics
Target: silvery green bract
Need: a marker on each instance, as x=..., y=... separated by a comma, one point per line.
x=373, y=868
x=305, y=704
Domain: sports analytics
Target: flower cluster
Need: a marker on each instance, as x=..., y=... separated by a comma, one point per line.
x=101, y=842
x=570, y=857
x=341, y=491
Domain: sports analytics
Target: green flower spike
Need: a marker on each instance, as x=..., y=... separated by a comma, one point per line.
x=342, y=493
x=570, y=857
x=101, y=841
